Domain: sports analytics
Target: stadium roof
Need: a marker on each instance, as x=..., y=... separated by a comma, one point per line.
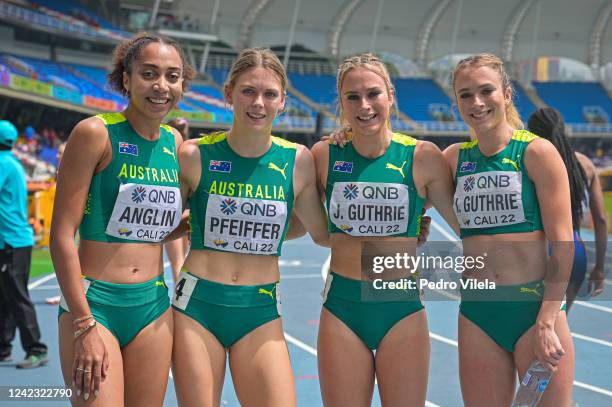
x=548, y=27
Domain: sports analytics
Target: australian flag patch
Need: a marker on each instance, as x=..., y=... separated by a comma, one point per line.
x=467, y=166
x=343, y=166
x=127, y=148
x=220, y=166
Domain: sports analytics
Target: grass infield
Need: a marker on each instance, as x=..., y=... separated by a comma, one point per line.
x=41, y=263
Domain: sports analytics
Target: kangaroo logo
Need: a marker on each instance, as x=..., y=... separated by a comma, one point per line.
x=274, y=167
x=160, y=284
x=266, y=292
x=395, y=168
x=509, y=161
x=165, y=150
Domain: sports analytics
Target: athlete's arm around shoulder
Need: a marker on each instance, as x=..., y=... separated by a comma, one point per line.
x=320, y=152
x=433, y=179
x=183, y=227
x=88, y=151
x=190, y=164
x=308, y=206
x=451, y=155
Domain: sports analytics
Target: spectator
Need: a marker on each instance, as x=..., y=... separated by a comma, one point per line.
x=16, y=240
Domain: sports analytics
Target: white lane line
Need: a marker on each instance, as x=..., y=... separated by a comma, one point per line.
x=591, y=250
x=593, y=340
x=41, y=280
x=582, y=303
x=575, y=335
x=46, y=287
x=593, y=388
x=443, y=339
x=289, y=263
x=576, y=383
x=300, y=344
x=313, y=352
x=594, y=306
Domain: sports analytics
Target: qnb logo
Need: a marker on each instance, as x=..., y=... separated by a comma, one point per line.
x=139, y=194
x=351, y=191
x=469, y=183
x=228, y=206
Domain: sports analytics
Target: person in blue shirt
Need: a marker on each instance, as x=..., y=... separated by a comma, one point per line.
x=16, y=240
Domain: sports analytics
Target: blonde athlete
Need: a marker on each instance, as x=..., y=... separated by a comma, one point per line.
x=512, y=196
x=118, y=183
x=375, y=189
x=242, y=186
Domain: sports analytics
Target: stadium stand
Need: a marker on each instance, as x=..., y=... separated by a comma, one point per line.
x=45, y=19
x=320, y=89
x=524, y=106
x=414, y=97
x=571, y=98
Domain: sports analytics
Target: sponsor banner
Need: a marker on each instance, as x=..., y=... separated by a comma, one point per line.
x=67, y=95
x=30, y=85
x=244, y=225
x=5, y=76
x=192, y=116
x=489, y=199
x=145, y=212
x=104, y=104
x=370, y=208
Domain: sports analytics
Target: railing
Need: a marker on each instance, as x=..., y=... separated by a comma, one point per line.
x=220, y=61
x=13, y=13
x=590, y=127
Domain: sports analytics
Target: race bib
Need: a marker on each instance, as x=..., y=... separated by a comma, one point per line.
x=369, y=208
x=244, y=225
x=183, y=290
x=147, y=213
x=489, y=199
